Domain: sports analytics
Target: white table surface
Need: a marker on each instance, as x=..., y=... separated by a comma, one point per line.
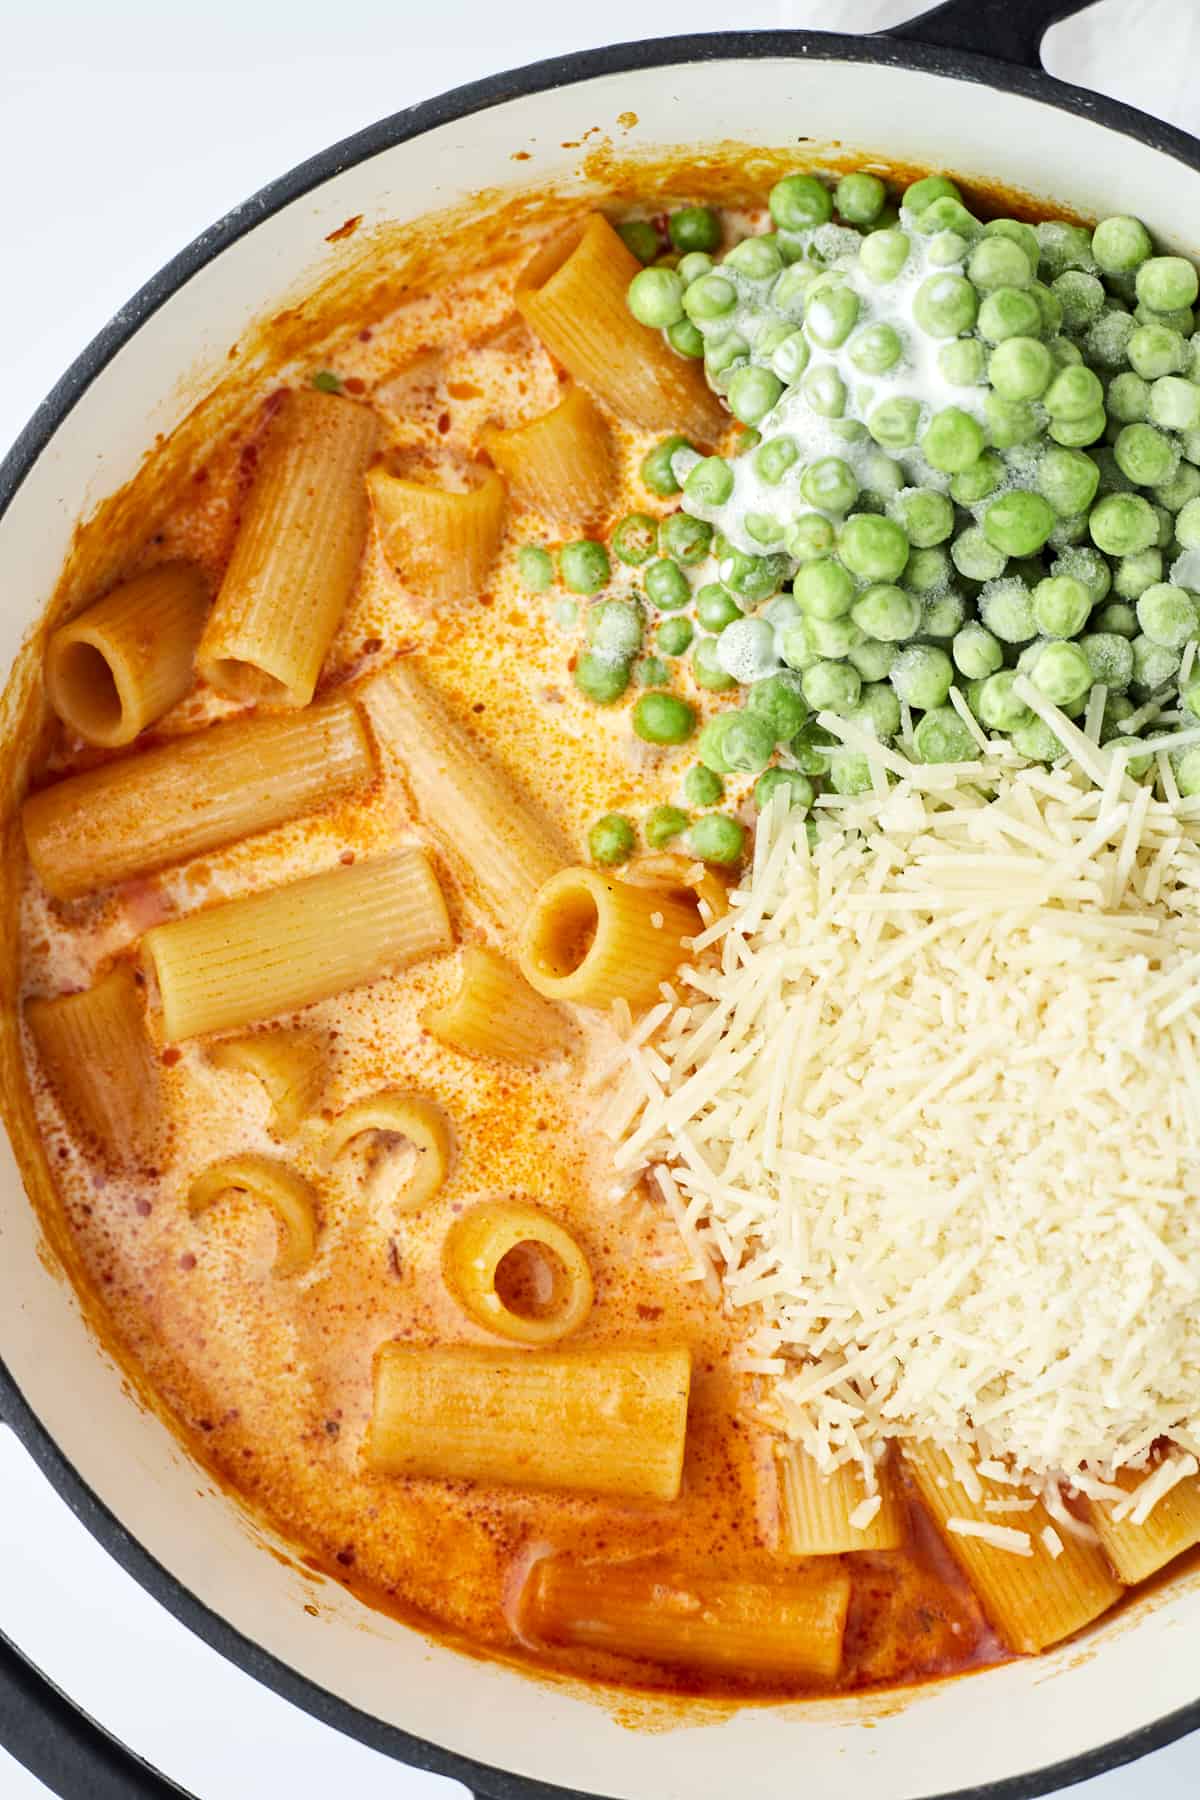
x=125, y=128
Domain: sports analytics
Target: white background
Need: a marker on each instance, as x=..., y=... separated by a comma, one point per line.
x=125, y=128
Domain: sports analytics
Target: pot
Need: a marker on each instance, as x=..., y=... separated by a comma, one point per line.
x=960, y=88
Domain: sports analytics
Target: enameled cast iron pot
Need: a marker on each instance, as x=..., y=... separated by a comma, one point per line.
x=961, y=88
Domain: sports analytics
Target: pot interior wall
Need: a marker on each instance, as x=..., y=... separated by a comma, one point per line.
x=1016, y=1719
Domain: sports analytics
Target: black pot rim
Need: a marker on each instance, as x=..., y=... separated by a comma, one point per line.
x=459, y=103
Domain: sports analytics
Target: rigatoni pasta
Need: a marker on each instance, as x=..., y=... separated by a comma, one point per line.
x=278, y=1187
x=194, y=794
x=593, y=938
x=97, y=1054
x=297, y=554
x=497, y=840
x=399, y=1126
x=125, y=660
x=1139, y=1550
x=495, y=1012
x=274, y=952
x=573, y=295
x=290, y=1064
x=517, y=1272
x=828, y=1513
x=782, y=1628
x=443, y=540
x=560, y=465
x=598, y=1421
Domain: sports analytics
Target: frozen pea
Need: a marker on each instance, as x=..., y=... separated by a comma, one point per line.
x=774, y=458
x=874, y=548
x=752, y=393
x=1134, y=574
x=953, y=440
x=1175, y=403
x=757, y=258
x=639, y=236
x=876, y=349
x=1076, y=433
x=946, y=304
x=716, y=606
x=1081, y=297
x=1122, y=524
x=1018, y=523
x=1075, y=392
x=685, y=538
x=942, y=614
x=1006, y=608
x=1190, y=696
x=601, y=677
x=927, y=570
x=1061, y=604
x=1167, y=615
x=922, y=675
x=831, y=316
x=832, y=639
x=832, y=686
x=887, y=612
x=707, y=670
x=946, y=248
x=746, y=649
x=779, y=700
x=790, y=358
x=664, y=824
x=1145, y=456
x=1118, y=616
x=1068, y=479
x=1187, y=774
x=1036, y=742
x=825, y=391
x=947, y=214
x=611, y=840
x=1088, y=566
x=1020, y=233
x=1154, y=665
x=963, y=362
x=709, y=482
x=735, y=742
x=753, y=578
x=1008, y=312
x=859, y=198
x=615, y=627
x=1065, y=353
x=942, y=737
x=1109, y=657
x=878, y=710
x=1071, y=530
x=850, y=773
x=1120, y=244
x=824, y=588
x=535, y=567
x=1107, y=341
x=1166, y=527
x=655, y=298
x=1155, y=350
x=702, y=786
x=873, y=658
x=1137, y=765
x=710, y=298
x=893, y=423
x=884, y=254
x=763, y=527
x=972, y=485
x=976, y=558
x=1187, y=525
x=1167, y=283
x=881, y=475
x=1064, y=246
x=999, y=707
x=1128, y=398
x=1183, y=486
x=800, y=201
x=976, y=652
x=920, y=194
x=829, y=483
x=1182, y=319
x=998, y=262
x=674, y=635
x=1020, y=368
x=794, y=786
x=810, y=535
x=1009, y=422
x=723, y=357
x=1049, y=307
x=717, y=838
x=693, y=265
x=811, y=746
x=925, y=516
x=1062, y=672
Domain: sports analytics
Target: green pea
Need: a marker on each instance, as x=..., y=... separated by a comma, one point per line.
x=584, y=566
x=709, y=299
x=824, y=588
x=999, y=707
x=922, y=675
x=851, y=773
x=674, y=636
x=811, y=746
x=655, y=298
x=976, y=653
x=1183, y=486
x=874, y=548
x=830, y=484
x=1119, y=616
x=1062, y=672
x=663, y=824
x=614, y=627
x=832, y=639
x=634, y=539
x=723, y=356
x=779, y=701
x=1006, y=608
x=752, y=393
x=1036, y=742
x=925, y=516
x=887, y=612
x=1109, y=337
x=878, y=710
x=693, y=266
x=1068, y=479
x=825, y=391
x=1010, y=422
x=1175, y=403
x=875, y=349
x=702, y=786
x=859, y=198
x=1145, y=456
x=998, y=262
x=716, y=607
x=832, y=686
x=1128, y=398
x=709, y=482
x=1167, y=615
x=684, y=538
x=1081, y=297
x=1075, y=433
x=883, y=255
x=1049, y=306
x=942, y=737
x=1074, y=392
x=694, y=228
x=831, y=316
x=1109, y=658
x=774, y=458
x=1153, y=664
x=602, y=677
x=953, y=440
x=963, y=361
x=1061, y=604
x=1018, y=523
x=1167, y=283
x=1020, y=368
x=1088, y=566
x=942, y=614
x=737, y=742
x=946, y=304
x=1020, y=233
x=800, y=201
x=790, y=358
x=974, y=557
x=667, y=585
x=1154, y=350
x=927, y=570
x=924, y=192
x=1120, y=243
x=1182, y=319
x=639, y=236
x=1137, y=766
x=1190, y=695
x=946, y=248
x=611, y=839
x=684, y=337
x=1064, y=246
x=810, y=535
x=717, y=838
x=946, y=214
x=893, y=423
x=972, y=485
x=1187, y=525
x=1007, y=313
x=793, y=784
x=873, y=659
x=657, y=473
x=663, y=719
x=753, y=578
x=535, y=567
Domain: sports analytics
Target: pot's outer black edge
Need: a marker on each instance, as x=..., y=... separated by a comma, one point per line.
x=460, y=103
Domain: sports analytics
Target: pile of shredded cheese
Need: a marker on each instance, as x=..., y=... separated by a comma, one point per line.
x=933, y=1117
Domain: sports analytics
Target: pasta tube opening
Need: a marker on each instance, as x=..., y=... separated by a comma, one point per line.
x=128, y=658
x=593, y=939
x=496, y=1013
x=517, y=1272
x=411, y=1150
x=97, y=1055
x=286, y=1193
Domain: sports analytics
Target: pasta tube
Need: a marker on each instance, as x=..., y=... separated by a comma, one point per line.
x=297, y=553
x=1138, y=1551
x=573, y=295
x=442, y=542
x=290, y=1066
x=517, y=1272
x=495, y=839
x=816, y=1509
x=125, y=660
x=417, y=1123
x=274, y=952
x=100, y=1063
x=496, y=1013
x=191, y=795
x=788, y=1628
x=594, y=1421
x=287, y=1194
x=1032, y=1596
x=593, y=939
x=560, y=465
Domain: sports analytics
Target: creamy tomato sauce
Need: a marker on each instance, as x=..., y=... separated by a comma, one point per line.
x=271, y=1378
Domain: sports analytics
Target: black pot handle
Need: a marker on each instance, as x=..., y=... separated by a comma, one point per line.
x=63, y=1746
x=1011, y=31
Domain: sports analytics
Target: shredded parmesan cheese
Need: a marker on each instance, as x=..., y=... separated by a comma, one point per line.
x=933, y=1124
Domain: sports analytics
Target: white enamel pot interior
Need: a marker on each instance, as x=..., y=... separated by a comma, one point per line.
x=1135, y=1681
